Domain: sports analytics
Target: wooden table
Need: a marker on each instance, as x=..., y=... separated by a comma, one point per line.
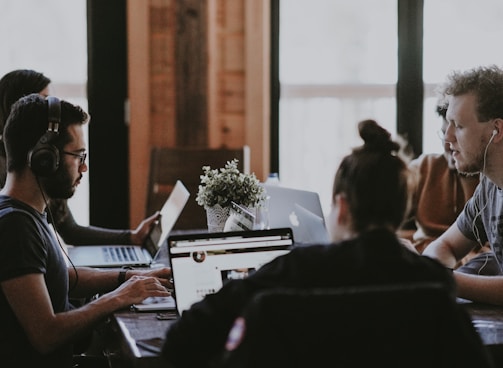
x=127, y=337
x=129, y=329
x=488, y=321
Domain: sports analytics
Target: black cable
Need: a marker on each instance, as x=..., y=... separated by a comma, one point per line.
x=57, y=237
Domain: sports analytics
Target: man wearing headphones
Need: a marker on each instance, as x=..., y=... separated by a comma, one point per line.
x=21, y=82
x=475, y=135
x=46, y=155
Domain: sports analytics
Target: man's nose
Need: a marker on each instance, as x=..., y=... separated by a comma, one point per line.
x=449, y=134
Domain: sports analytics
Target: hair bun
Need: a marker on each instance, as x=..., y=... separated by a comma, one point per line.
x=376, y=138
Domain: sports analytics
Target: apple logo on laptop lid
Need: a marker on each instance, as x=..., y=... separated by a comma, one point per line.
x=294, y=220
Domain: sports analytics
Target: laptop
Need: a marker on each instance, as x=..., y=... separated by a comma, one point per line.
x=135, y=255
x=299, y=209
x=201, y=263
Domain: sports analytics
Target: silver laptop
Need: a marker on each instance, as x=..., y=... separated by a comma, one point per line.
x=135, y=255
x=300, y=210
x=202, y=263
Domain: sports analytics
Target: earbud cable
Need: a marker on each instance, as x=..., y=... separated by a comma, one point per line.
x=478, y=212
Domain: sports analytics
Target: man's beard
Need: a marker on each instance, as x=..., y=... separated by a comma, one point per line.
x=473, y=168
x=58, y=185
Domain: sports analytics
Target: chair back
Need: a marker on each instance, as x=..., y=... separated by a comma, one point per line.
x=167, y=165
x=391, y=326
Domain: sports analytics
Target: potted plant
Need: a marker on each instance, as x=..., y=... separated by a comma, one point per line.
x=220, y=187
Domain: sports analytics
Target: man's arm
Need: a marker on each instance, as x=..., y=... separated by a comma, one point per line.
x=450, y=247
x=92, y=281
x=482, y=289
x=29, y=299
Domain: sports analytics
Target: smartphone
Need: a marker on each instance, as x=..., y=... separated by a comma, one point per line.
x=162, y=316
x=153, y=345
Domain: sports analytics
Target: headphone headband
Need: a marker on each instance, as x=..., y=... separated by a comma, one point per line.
x=43, y=159
x=53, y=111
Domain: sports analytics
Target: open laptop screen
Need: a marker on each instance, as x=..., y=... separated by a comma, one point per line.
x=202, y=263
x=135, y=255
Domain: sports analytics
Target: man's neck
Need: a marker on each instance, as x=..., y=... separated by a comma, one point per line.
x=494, y=173
x=24, y=188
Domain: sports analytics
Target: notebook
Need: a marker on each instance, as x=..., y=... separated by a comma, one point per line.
x=201, y=263
x=135, y=255
x=299, y=209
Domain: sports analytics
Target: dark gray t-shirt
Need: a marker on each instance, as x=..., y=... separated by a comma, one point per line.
x=28, y=246
x=482, y=217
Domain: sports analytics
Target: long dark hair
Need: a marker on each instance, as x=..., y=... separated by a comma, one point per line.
x=16, y=84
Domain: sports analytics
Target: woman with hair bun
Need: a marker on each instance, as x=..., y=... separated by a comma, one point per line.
x=369, y=200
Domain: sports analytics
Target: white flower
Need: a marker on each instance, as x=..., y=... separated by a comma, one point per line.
x=225, y=185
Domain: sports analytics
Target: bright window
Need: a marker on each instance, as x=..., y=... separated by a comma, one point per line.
x=337, y=66
x=50, y=37
x=458, y=35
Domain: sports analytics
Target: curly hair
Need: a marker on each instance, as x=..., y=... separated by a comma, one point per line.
x=486, y=83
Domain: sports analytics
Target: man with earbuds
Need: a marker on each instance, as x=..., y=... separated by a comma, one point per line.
x=46, y=151
x=475, y=135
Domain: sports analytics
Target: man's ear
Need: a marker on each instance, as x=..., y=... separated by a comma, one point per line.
x=498, y=128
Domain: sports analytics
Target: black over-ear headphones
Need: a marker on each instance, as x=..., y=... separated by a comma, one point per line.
x=44, y=157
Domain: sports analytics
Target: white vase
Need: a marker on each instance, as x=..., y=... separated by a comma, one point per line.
x=216, y=217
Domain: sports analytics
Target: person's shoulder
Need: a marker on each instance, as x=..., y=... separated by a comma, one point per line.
x=488, y=187
x=429, y=160
x=306, y=250
x=10, y=205
x=433, y=166
x=312, y=254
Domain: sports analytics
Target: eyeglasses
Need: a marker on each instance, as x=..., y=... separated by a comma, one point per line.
x=82, y=156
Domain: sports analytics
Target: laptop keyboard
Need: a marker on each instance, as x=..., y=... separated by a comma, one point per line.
x=120, y=254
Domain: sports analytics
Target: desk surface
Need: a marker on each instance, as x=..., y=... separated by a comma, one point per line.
x=133, y=327
x=488, y=321
x=129, y=330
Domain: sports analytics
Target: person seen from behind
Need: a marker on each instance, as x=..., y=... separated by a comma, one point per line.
x=369, y=200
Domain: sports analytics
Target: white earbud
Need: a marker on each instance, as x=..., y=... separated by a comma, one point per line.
x=495, y=131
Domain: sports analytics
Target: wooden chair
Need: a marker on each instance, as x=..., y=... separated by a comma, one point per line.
x=167, y=165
